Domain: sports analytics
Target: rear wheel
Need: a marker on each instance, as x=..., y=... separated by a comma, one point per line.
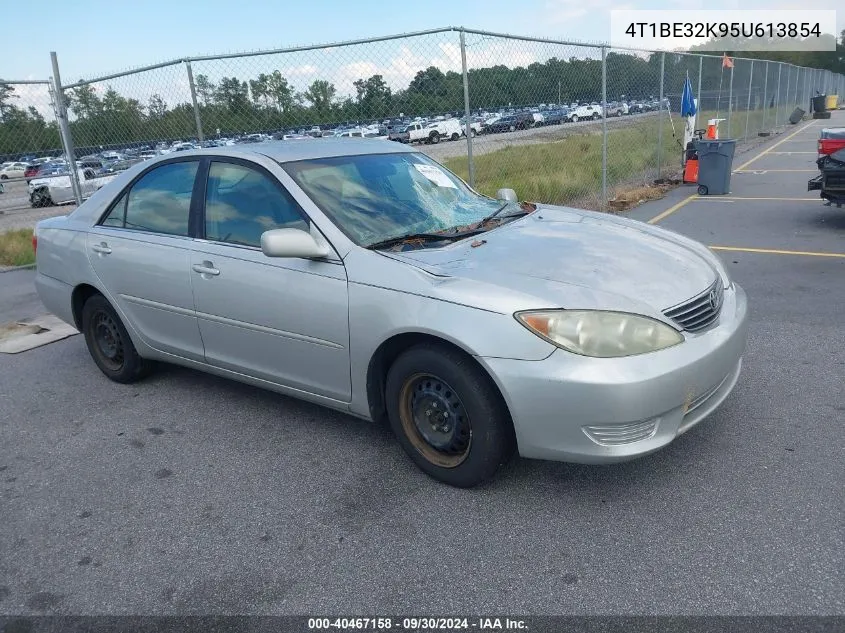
x=434, y=138
x=595, y=116
x=575, y=118
x=4, y=177
x=455, y=136
x=109, y=343
x=448, y=416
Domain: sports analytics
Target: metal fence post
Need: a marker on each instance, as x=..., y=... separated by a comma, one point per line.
x=700, y=103
x=765, y=98
x=64, y=129
x=748, y=102
x=194, y=100
x=731, y=100
x=777, y=99
x=604, y=128
x=660, y=117
x=468, y=127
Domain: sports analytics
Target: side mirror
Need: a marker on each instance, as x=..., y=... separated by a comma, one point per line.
x=506, y=195
x=291, y=243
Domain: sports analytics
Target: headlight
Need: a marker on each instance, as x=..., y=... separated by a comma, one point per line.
x=600, y=334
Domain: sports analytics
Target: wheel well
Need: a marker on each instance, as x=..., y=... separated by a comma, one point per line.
x=383, y=358
x=80, y=295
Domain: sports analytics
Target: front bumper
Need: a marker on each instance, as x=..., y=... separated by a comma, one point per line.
x=597, y=410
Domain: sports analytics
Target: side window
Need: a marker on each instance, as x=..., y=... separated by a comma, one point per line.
x=241, y=203
x=161, y=200
x=117, y=215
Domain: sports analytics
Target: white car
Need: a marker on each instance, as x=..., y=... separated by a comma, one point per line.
x=13, y=170
x=584, y=112
x=45, y=192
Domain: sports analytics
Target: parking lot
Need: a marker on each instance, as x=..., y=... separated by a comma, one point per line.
x=190, y=494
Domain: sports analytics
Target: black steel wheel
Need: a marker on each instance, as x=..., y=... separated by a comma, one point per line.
x=702, y=190
x=448, y=415
x=109, y=344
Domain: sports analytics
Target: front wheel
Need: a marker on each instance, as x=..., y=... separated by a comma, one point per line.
x=455, y=136
x=4, y=177
x=448, y=415
x=109, y=343
x=434, y=138
x=595, y=116
x=575, y=118
x=702, y=190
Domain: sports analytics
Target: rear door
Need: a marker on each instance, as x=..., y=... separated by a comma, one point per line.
x=141, y=252
x=285, y=320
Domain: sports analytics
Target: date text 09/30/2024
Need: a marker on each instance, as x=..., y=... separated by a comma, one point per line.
x=416, y=624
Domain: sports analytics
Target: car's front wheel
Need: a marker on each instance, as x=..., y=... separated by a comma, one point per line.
x=40, y=198
x=109, y=343
x=448, y=415
x=574, y=118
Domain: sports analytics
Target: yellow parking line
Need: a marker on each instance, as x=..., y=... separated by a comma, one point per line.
x=772, y=251
x=732, y=198
x=780, y=142
x=760, y=172
x=672, y=209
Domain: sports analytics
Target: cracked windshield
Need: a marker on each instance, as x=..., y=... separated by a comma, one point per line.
x=378, y=197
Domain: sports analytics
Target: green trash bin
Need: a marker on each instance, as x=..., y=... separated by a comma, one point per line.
x=715, y=160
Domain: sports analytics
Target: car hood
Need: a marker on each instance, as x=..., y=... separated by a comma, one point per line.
x=566, y=258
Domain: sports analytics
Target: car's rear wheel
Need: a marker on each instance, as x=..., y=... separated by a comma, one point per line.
x=455, y=136
x=595, y=116
x=434, y=138
x=575, y=118
x=448, y=415
x=4, y=177
x=109, y=343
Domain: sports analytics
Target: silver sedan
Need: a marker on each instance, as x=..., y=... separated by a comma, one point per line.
x=363, y=276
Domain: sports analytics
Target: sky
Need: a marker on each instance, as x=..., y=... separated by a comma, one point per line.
x=96, y=37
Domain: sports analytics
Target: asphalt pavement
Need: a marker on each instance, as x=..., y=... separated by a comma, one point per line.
x=190, y=494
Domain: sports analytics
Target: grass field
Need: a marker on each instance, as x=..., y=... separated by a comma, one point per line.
x=568, y=171
x=16, y=248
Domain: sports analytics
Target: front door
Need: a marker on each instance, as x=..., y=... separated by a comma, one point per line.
x=284, y=320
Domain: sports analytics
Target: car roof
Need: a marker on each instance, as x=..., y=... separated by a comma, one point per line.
x=306, y=149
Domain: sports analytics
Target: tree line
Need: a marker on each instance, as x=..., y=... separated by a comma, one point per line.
x=269, y=102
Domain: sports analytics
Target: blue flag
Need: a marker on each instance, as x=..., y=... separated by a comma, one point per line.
x=687, y=101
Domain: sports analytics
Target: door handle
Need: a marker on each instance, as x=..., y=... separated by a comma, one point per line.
x=102, y=248
x=206, y=268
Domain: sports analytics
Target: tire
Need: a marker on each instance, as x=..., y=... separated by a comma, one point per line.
x=434, y=138
x=472, y=133
x=4, y=177
x=574, y=118
x=40, y=199
x=481, y=438
x=702, y=190
x=595, y=116
x=109, y=343
x=512, y=128
x=455, y=136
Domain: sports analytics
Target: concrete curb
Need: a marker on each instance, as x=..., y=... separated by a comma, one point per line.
x=8, y=269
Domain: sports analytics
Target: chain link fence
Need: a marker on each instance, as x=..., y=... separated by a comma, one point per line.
x=558, y=122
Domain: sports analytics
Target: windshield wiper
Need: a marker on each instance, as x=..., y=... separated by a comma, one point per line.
x=495, y=213
x=423, y=237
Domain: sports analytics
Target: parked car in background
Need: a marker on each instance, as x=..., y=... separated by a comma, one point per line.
x=556, y=116
x=584, y=112
x=58, y=189
x=512, y=122
x=616, y=109
x=15, y=169
x=350, y=273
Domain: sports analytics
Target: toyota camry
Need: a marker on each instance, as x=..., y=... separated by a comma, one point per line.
x=363, y=276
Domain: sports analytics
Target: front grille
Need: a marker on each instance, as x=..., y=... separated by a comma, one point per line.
x=700, y=311
x=618, y=434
